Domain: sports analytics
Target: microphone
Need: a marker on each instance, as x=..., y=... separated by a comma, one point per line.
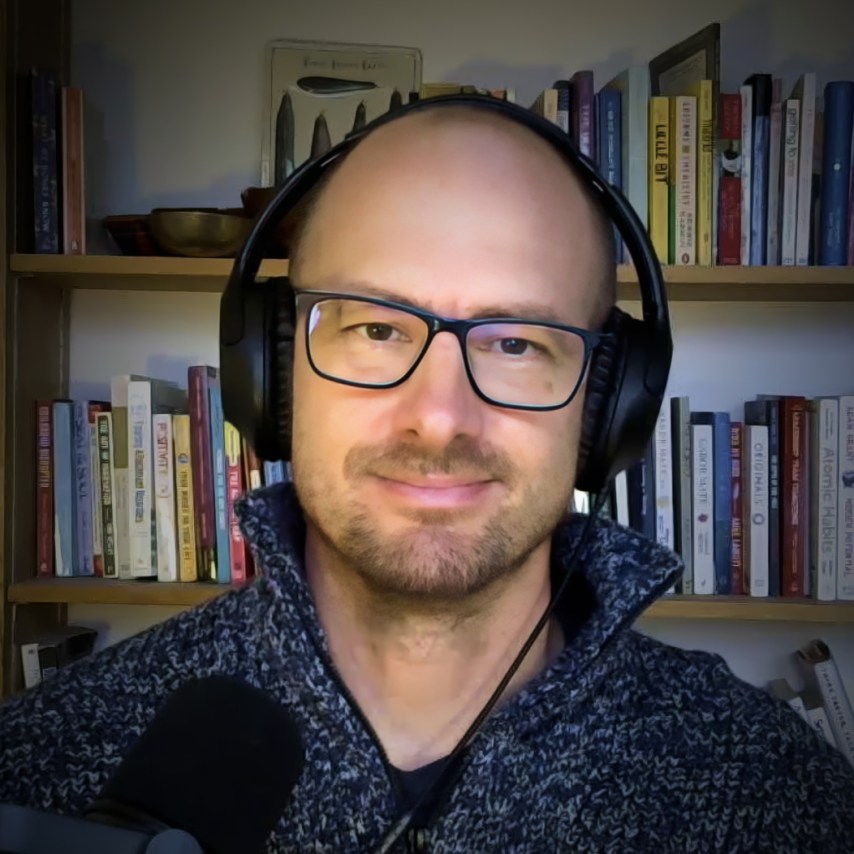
x=212, y=773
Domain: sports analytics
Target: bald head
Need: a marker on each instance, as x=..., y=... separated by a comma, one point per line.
x=464, y=167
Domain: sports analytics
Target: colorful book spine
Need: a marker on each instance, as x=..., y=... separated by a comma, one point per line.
x=64, y=503
x=220, y=486
x=746, y=94
x=234, y=487
x=659, y=176
x=760, y=86
x=729, y=182
x=582, y=112
x=680, y=421
x=789, y=169
x=755, y=548
x=609, y=136
x=703, y=505
x=683, y=167
x=824, y=496
x=203, y=490
x=106, y=474
x=793, y=496
x=44, y=488
x=706, y=132
x=164, y=497
x=737, y=500
x=84, y=537
x=184, y=504
x=44, y=92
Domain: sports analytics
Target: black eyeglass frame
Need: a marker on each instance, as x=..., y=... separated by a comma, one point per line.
x=306, y=299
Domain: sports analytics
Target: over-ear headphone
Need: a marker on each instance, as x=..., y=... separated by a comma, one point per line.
x=628, y=372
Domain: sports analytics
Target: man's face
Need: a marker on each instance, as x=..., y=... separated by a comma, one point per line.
x=425, y=488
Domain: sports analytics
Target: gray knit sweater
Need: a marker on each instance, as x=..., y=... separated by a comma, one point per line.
x=623, y=745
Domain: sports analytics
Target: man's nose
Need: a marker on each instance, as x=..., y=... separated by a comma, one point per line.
x=437, y=402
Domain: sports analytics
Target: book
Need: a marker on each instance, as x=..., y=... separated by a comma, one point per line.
x=821, y=671
x=697, y=57
x=804, y=91
x=659, y=176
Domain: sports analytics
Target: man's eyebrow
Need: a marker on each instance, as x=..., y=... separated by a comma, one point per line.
x=524, y=310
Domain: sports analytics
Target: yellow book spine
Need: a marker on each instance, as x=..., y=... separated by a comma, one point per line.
x=704, y=93
x=659, y=175
x=187, y=567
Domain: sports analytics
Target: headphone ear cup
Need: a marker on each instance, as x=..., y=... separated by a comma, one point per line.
x=282, y=368
x=621, y=404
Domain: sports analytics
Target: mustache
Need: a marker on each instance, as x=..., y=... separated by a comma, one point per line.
x=461, y=456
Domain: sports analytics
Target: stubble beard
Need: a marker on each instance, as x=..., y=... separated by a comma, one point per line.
x=431, y=556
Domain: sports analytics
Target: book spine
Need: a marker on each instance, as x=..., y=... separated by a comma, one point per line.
x=722, y=474
x=705, y=171
x=202, y=467
x=836, y=173
x=609, y=136
x=96, y=498
x=141, y=487
x=684, y=163
x=659, y=172
x=775, y=148
x=234, y=487
x=106, y=474
x=45, y=194
x=845, y=499
x=746, y=95
x=792, y=500
x=824, y=496
x=756, y=531
x=82, y=489
x=760, y=85
x=806, y=94
x=220, y=486
x=729, y=182
x=737, y=501
x=583, y=113
x=789, y=206
x=664, y=533
x=680, y=418
x=44, y=489
x=164, y=497
x=73, y=178
x=187, y=570
x=703, y=505
x=64, y=504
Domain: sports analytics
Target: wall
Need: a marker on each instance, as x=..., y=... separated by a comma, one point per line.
x=176, y=116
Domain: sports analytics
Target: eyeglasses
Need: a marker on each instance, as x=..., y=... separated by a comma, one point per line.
x=376, y=343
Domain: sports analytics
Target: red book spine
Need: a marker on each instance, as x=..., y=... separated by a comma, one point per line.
x=200, y=450
x=729, y=200
x=44, y=488
x=737, y=561
x=794, y=491
x=234, y=489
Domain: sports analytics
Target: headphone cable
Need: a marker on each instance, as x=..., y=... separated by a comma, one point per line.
x=450, y=770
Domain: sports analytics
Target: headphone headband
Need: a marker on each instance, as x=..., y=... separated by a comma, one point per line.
x=637, y=380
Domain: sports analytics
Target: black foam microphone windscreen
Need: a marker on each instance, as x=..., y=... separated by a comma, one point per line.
x=219, y=761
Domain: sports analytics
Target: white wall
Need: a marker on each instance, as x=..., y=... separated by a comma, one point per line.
x=176, y=97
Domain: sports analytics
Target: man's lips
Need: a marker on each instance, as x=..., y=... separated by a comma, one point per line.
x=435, y=491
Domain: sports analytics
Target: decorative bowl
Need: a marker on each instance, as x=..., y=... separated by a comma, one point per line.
x=199, y=232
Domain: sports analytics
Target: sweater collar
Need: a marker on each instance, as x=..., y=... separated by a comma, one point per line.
x=620, y=572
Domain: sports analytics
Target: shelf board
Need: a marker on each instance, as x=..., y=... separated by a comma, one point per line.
x=152, y=273
x=747, y=608
x=99, y=591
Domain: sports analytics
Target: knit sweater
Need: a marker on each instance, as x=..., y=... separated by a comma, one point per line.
x=623, y=744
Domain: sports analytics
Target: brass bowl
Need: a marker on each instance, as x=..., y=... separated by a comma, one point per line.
x=199, y=233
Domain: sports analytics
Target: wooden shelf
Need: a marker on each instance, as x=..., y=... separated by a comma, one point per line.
x=98, y=591
x=729, y=284
x=746, y=608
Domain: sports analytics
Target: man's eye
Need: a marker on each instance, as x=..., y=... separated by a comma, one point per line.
x=378, y=331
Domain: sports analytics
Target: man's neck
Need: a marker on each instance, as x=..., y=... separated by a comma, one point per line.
x=422, y=674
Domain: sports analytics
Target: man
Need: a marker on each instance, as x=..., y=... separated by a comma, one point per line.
x=423, y=544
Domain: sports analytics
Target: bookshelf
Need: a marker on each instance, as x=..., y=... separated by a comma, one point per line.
x=94, y=591
x=39, y=290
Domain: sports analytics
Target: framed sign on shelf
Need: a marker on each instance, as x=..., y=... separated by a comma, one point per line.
x=318, y=92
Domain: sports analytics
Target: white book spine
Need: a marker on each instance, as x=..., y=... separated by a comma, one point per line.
x=664, y=532
x=621, y=498
x=680, y=422
x=703, y=506
x=164, y=497
x=805, y=90
x=845, y=499
x=820, y=665
x=685, y=207
x=756, y=496
x=746, y=93
x=825, y=481
x=789, y=202
x=140, y=467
